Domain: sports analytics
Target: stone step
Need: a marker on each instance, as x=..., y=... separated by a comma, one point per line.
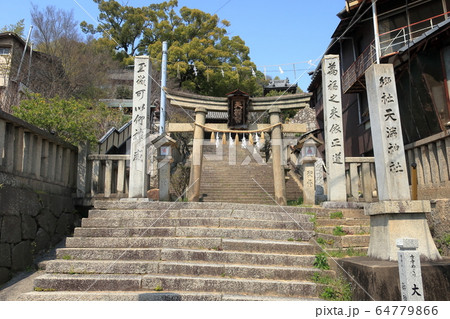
x=248, y=200
x=350, y=230
x=109, y=253
x=88, y=282
x=186, y=268
x=113, y=282
x=268, y=246
x=114, y=205
x=347, y=213
x=143, y=242
x=247, y=233
x=148, y=296
x=304, y=255
x=241, y=245
x=339, y=222
x=191, y=222
x=347, y=241
x=233, y=286
x=204, y=214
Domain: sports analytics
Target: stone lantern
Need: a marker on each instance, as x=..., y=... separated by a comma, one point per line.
x=308, y=159
x=164, y=144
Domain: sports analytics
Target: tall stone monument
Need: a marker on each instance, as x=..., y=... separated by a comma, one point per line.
x=140, y=127
x=334, y=137
x=395, y=215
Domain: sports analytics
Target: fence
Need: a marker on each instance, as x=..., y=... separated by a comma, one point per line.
x=361, y=179
x=432, y=157
x=110, y=175
x=29, y=152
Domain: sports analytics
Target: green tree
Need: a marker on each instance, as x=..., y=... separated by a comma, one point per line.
x=122, y=24
x=73, y=120
x=201, y=57
x=17, y=28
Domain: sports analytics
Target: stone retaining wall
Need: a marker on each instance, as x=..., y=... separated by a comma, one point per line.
x=37, y=179
x=30, y=221
x=439, y=222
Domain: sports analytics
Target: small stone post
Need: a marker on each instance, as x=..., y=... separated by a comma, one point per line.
x=164, y=145
x=395, y=215
x=140, y=128
x=308, y=160
x=411, y=286
x=197, y=156
x=333, y=126
x=278, y=169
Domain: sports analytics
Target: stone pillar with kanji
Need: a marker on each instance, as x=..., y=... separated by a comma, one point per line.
x=395, y=215
x=140, y=128
x=333, y=126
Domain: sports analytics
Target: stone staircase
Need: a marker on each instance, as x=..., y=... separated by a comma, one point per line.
x=239, y=177
x=355, y=227
x=136, y=250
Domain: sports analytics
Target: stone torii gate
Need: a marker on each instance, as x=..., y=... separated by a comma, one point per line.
x=201, y=105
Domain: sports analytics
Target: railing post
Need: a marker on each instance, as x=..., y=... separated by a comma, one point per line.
x=95, y=177
x=65, y=170
x=10, y=147
x=442, y=163
x=366, y=182
x=354, y=180
x=108, y=177
x=37, y=156
x=27, y=152
x=418, y=161
x=425, y=165
x=18, y=149
x=121, y=176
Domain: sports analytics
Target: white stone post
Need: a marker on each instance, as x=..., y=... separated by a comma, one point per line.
x=410, y=273
x=334, y=137
x=309, y=187
x=395, y=215
x=387, y=138
x=140, y=127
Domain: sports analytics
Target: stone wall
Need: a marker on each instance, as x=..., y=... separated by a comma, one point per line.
x=30, y=222
x=439, y=222
x=37, y=181
x=306, y=116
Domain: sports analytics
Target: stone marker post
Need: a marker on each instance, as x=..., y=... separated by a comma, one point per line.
x=140, y=128
x=164, y=145
x=308, y=160
x=395, y=216
x=411, y=286
x=334, y=137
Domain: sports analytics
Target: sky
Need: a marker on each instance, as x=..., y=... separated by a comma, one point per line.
x=288, y=35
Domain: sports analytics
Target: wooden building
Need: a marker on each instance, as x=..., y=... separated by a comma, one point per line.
x=414, y=36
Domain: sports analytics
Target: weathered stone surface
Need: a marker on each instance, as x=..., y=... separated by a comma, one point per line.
x=47, y=221
x=393, y=207
x=64, y=224
x=5, y=275
x=153, y=194
x=12, y=206
x=5, y=255
x=21, y=256
x=42, y=240
x=11, y=229
x=380, y=278
x=29, y=227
